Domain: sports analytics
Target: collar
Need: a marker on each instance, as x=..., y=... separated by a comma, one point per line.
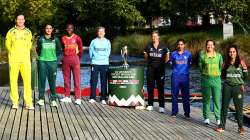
x=214, y=55
x=19, y=28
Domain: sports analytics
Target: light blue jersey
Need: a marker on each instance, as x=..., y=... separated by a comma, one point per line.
x=99, y=51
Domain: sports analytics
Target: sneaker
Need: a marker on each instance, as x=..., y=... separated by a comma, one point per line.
x=219, y=129
x=173, y=115
x=241, y=131
x=15, y=106
x=66, y=100
x=187, y=115
x=53, y=104
x=40, y=102
x=92, y=101
x=30, y=107
x=218, y=122
x=150, y=108
x=161, y=109
x=104, y=102
x=78, y=101
x=207, y=121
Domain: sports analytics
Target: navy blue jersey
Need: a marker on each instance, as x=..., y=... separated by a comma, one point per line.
x=156, y=56
x=180, y=62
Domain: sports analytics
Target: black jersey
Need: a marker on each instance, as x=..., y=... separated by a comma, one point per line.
x=156, y=56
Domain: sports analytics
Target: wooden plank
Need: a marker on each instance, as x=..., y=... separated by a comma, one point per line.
x=37, y=123
x=44, y=124
x=86, y=129
x=110, y=122
x=90, y=118
x=63, y=123
x=50, y=122
x=58, y=126
x=6, y=111
x=24, y=117
x=106, y=129
x=31, y=121
x=69, y=122
x=78, y=129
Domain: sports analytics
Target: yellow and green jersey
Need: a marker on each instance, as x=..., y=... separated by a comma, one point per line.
x=19, y=43
x=210, y=66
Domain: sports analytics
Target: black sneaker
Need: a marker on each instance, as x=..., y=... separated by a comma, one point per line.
x=187, y=115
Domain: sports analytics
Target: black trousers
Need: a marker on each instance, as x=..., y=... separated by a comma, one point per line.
x=155, y=76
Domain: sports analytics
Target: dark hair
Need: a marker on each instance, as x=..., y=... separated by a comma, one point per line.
x=228, y=59
x=210, y=40
x=52, y=34
x=180, y=40
x=19, y=14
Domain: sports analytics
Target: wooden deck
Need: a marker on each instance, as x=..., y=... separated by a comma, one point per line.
x=97, y=121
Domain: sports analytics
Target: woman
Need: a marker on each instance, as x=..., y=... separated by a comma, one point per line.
x=234, y=72
x=210, y=64
x=48, y=48
x=156, y=54
x=181, y=60
x=72, y=52
x=99, y=52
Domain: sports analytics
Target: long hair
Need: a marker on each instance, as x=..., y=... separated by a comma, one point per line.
x=228, y=59
x=52, y=34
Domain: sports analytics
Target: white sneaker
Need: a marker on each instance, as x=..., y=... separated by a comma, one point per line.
x=104, y=102
x=218, y=122
x=53, y=104
x=150, y=108
x=66, y=100
x=161, y=109
x=40, y=102
x=207, y=121
x=92, y=101
x=31, y=107
x=78, y=101
x=15, y=106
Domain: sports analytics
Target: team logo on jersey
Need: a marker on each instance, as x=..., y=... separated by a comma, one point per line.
x=239, y=96
x=151, y=49
x=73, y=41
x=185, y=57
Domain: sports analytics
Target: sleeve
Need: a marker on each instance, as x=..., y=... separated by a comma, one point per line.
x=79, y=43
x=145, y=50
x=109, y=48
x=91, y=49
x=58, y=47
x=171, y=59
x=30, y=40
x=190, y=59
x=8, y=41
x=38, y=46
x=220, y=62
x=200, y=61
x=244, y=70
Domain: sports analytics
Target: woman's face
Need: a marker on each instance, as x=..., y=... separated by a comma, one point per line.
x=180, y=46
x=155, y=37
x=48, y=30
x=232, y=53
x=70, y=29
x=210, y=46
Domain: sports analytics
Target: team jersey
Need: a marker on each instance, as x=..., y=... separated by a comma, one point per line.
x=210, y=66
x=19, y=43
x=236, y=75
x=72, y=45
x=180, y=62
x=48, y=49
x=99, y=51
x=156, y=56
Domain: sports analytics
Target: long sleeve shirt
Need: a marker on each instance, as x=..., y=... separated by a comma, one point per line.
x=18, y=43
x=72, y=45
x=99, y=51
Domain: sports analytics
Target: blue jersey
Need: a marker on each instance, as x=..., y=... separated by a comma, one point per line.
x=180, y=62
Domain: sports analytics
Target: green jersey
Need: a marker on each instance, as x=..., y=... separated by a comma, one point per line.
x=235, y=76
x=210, y=66
x=48, y=49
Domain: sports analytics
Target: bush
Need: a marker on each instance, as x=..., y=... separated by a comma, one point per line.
x=195, y=42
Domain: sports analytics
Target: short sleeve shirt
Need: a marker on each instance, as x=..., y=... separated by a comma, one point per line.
x=181, y=62
x=156, y=56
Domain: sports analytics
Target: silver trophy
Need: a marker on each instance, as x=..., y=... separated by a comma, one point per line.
x=124, y=54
